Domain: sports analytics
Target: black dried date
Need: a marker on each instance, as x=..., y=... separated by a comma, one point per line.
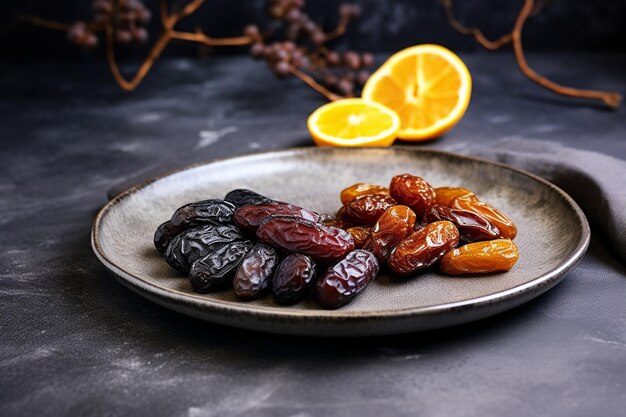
x=342, y=282
x=254, y=275
x=242, y=197
x=472, y=227
x=211, y=212
x=198, y=242
x=164, y=235
x=249, y=217
x=294, y=278
x=295, y=234
x=215, y=271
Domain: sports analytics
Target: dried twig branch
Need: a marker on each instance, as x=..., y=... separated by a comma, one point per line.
x=609, y=98
x=44, y=23
x=310, y=81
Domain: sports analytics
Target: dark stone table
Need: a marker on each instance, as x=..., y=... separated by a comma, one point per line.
x=75, y=342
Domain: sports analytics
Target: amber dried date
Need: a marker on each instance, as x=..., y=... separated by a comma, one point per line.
x=212, y=212
x=360, y=234
x=215, y=271
x=472, y=227
x=507, y=228
x=249, y=217
x=293, y=279
x=343, y=281
x=196, y=243
x=164, y=235
x=423, y=248
x=254, y=275
x=323, y=243
x=390, y=229
x=361, y=188
x=412, y=191
x=481, y=258
x=445, y=195
x=242, y=197
x=366, y=209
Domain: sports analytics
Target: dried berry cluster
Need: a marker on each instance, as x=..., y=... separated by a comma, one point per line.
x=297, y=44
x=127, y=17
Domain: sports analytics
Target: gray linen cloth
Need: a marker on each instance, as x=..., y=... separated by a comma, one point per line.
x=596, y=181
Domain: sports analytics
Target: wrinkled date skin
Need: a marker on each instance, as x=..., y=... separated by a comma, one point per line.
x=295, y=234
x=293, y=279
x=215, y=271
x=242, y=197
x=164, y=235
x=249, y=217
x=445, y=195
x=343, y=281
x=361, y=188
x=212, y=212
x=481, y=258
x=366, y=209
x=254, y=275
x=472, y=227
x=196, y=243
x=507, y=229
x=423, y=248
x=390, y=229
x=360, y=234
x=412, y=191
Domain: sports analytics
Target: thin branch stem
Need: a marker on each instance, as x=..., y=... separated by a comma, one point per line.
x=44, y=23
x=344, y=20
x=610, y=98
x=530, y=8
x=310, y=81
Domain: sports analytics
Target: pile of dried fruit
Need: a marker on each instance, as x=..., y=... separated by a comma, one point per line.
x=255, y=245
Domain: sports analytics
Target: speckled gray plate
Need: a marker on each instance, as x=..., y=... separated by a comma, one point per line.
x=553, y=236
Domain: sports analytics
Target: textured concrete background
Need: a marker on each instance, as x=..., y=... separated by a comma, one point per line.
x=386, y=25
x=75, y=342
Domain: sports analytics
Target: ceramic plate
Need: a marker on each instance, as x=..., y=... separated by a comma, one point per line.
x=553, y=236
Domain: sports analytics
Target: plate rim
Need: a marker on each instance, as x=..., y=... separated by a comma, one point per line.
x=546, y=280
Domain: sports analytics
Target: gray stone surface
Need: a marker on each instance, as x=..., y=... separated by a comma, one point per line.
x=75, y=342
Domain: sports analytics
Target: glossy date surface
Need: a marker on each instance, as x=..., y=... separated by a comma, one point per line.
x=412, y=191
x=481, y=258
x=390, y=229
x=196, y=243
x=254, y=275
x=472, y=227
x=506, y=227
x=216, y=270
x=212, y=212
x=423, y=248
x=294, y=278
x=295, y=234
x=343, y=281
x=366, y=209
x=242, y=197
x=359, y=189
x=249, y=217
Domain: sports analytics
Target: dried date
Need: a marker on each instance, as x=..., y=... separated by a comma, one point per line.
x=216, y=270
x=472, y=227
x=196, y=243
x=481, y=258
x=164, y=235
x=366, y=209
x=360, y=234
x=254, y=275
x=361, y=188
x=390, y=229
x=242, y=197
x=507, y=228
x=343, y=281
x=423, y=248
x=323, y=243
x=412, y=191
x=211, y=212
x=294, y=278
x=445, y=195
x=249, y=217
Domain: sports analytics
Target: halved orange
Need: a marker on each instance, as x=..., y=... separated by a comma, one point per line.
x=427, y=85
x=353, y=122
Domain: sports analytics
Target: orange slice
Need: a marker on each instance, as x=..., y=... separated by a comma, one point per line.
x=427, y=85
x=353, y=122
